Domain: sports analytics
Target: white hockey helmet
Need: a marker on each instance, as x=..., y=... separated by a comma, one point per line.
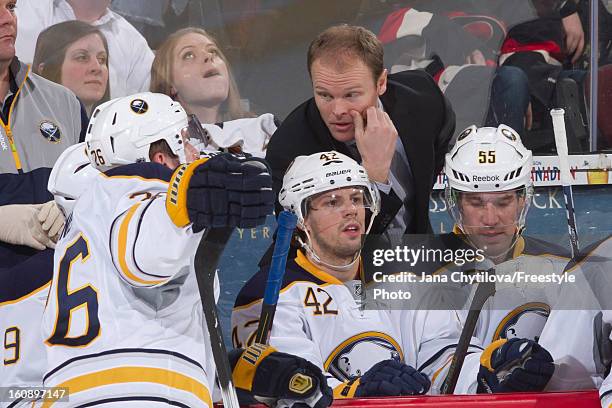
x=121, y=130
x=488, y=160
x=70, y=177
x=310, y=175
x=317, y=173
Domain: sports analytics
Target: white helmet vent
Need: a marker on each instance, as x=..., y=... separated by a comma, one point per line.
x=461, y=176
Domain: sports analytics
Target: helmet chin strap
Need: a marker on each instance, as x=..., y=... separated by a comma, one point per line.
x=312, y=254
x=340, y=268
x=515, y=238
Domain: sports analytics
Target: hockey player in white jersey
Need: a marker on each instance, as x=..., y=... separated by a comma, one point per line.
x=578, y=332
x=319, y=314
x=488, y=194
x=24, y=361
x=124, y=324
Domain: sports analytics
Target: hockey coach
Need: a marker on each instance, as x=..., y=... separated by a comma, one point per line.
x=397, y=126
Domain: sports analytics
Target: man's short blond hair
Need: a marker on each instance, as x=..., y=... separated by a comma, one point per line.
x=341, y=42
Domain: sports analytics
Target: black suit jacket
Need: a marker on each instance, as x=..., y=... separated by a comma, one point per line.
x=425, y=123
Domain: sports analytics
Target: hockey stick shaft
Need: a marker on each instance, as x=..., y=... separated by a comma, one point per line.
x=286, y=224
x=558, y=120
x=206, y=260
x=484, y=291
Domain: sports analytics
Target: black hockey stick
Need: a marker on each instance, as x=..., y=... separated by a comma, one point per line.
x=484, y=291
x=558, y=120
x=286, y=224
x=207, y=258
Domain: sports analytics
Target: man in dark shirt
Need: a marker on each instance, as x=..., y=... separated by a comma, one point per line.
x=397, y=126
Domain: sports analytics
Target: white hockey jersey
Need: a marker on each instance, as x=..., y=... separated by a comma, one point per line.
x=322, y=320
x=519, y=307
x=23, y=295
x=124, y=322
x=578, y=331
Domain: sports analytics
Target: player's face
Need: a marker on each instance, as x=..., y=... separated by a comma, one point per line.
x=85, y=69
x=199, y=75
x=172, y=161
x=342, y=88
x=491, y=219
x=191, y=153
x=335, y=222
x=8, y=29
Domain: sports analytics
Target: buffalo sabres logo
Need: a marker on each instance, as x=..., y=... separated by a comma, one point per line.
x=139, y=106
x=526, y=321
x=358, y=354
x=50, y=131
x=464, y=134
x=509, y=134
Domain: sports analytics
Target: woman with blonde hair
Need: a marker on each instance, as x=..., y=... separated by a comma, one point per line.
x=191, y=68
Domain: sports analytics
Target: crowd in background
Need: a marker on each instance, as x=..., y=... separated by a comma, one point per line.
x=495, y=61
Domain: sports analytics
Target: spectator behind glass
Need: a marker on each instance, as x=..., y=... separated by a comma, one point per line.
x=130, y=55
x=75, y=54
x=191, y=69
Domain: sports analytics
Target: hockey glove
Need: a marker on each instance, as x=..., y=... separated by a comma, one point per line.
x=223, y=191
x=280, y=379
x=514, y=365
x=392, y=378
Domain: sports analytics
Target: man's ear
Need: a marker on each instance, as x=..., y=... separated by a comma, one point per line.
x=160, y=158
x=381, y=83
x=40, y=68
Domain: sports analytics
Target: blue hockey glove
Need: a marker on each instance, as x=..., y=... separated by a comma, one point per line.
x=221, y=191
x=392, y=378
x=279, y=379
x=514, y=365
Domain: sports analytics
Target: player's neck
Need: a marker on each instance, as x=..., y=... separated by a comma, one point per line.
x=343, y=275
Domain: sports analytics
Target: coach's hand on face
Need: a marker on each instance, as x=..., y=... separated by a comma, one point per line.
x=376, y=138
